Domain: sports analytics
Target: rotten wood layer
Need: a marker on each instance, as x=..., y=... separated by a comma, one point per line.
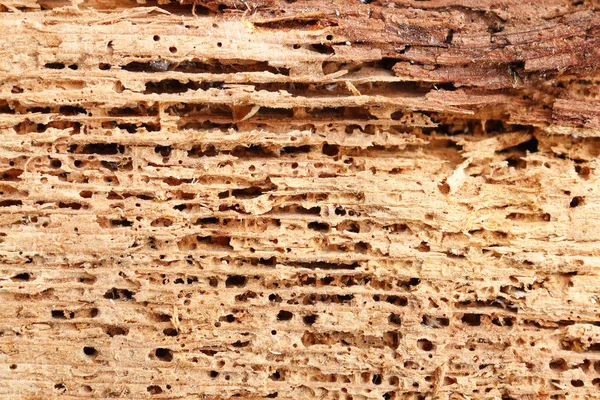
x=299, y=199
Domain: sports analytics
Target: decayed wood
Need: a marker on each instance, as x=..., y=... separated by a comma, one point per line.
x=299, y=199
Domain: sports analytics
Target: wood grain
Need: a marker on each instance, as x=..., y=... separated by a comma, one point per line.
x=296, y=199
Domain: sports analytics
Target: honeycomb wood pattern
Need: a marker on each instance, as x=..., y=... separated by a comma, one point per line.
x=297, y=199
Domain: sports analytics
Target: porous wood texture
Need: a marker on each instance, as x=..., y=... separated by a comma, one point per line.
x=299, y=199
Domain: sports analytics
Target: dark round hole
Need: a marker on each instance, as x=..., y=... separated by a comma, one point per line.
x=154, y=389
x=156, y=38
x=164, y=354
x=576, y=202
x=284, y=315
x=425, y=345
x=170, y=332
x=331, y=149
x=89, y=351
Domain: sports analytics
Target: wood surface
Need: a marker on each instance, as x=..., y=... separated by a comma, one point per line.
x=299, y=199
